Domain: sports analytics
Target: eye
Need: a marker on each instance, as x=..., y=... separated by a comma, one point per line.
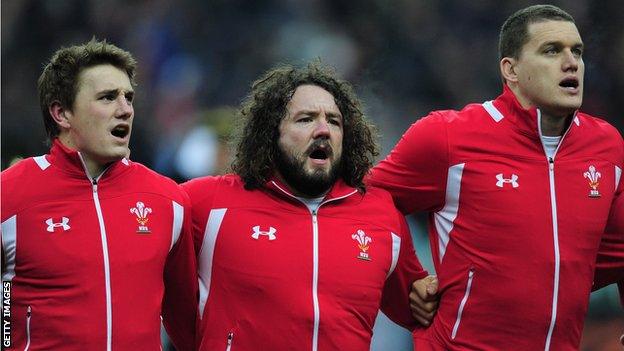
x=129, y=98
x=578, y=52
x=335, y=121
x=304, y=119
x=108, y=97
x=551, y=51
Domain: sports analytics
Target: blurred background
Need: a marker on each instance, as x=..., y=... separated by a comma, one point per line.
x=197, y=60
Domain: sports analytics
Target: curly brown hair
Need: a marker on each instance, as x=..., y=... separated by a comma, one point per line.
x=264, y=108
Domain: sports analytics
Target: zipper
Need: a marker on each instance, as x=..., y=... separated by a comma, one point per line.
x=555, y=227
x=315, y=234
x=103, y=238
x=553, y=203
x=28, y=315
x=230, y=337
x=317, y=310
x=462, y=304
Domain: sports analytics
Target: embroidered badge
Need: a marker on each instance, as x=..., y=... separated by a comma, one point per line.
x=64, y=223
x=594, y=180
x=500, y=181
x=141, y=212
x=270, y=233
x=363, y=244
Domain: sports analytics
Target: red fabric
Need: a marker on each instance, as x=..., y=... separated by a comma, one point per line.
x=60, y=274
x=503, y=230
x=261, y=290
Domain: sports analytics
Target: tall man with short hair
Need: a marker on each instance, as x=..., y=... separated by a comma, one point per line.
x=294, y=251
x=519, y=191
x=93, y=243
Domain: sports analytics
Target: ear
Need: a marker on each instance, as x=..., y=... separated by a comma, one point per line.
x=60, y=114
x=508, y=69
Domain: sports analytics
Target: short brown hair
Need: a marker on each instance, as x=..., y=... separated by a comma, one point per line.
x=515, y=31
x=59, y=79
x=257, y=146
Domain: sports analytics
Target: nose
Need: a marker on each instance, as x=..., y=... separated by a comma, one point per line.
x=570, y=61
x=321, y=128
x=125, y=109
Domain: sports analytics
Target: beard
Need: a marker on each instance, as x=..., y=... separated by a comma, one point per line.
x=312, y=184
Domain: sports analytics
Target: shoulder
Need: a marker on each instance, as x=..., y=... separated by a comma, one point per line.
x=151, y=179
x=24, y=169
x=602, y=135
x=381, y=204
x=599, y=125
x=22, y=181
x=204, y=188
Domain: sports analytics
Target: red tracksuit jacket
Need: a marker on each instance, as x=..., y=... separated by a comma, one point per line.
x=91, y=260
x=514, y=234
x=274, y=276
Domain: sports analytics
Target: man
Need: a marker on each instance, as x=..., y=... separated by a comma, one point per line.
x=519, y=191
x=92, y=242
x=294, y=252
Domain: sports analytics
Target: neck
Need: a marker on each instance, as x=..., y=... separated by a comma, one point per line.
x=93, y=168
x=298, y=193
x=553, y=125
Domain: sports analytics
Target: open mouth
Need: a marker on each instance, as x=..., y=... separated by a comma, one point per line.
x=569, y=83
x=120, y=131
x=319, y=154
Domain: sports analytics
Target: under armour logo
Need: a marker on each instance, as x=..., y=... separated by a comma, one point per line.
x=52, y=226
x=257, y=232
x=501, y=181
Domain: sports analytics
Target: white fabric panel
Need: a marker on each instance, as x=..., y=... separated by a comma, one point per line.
x=396, y=249
x=178, y=219
x=42, y=162
x=446, y=216
x=493, y=111
x=9, y=236
x=618, y=175
x=206, y=254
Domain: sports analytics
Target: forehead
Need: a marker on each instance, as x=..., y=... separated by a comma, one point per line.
x=547, y=31
x=312, y=97
x=103, y=77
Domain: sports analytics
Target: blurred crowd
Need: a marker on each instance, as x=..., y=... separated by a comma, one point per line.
x=197, y=60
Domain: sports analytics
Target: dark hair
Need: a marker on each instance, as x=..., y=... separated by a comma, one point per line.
x=59, y=79
x=264, y=108
x=514, y=32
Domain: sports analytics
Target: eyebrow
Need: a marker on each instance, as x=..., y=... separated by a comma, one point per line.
x=559, y=44
x=115, y=91
x=315, y=112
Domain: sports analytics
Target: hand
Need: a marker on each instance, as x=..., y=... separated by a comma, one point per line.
x=424, y=299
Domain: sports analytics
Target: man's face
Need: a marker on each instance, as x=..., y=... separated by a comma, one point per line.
x=550, y=68
x=101, y=118
x=310, y=141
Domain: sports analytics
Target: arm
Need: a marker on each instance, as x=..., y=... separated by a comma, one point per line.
x=415, y=171
x=610, y=260
x=395, y=301
x=180, y=299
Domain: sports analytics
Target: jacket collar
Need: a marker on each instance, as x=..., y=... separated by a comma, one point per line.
x=70, y=161
x=507, y=106
x=339, y=190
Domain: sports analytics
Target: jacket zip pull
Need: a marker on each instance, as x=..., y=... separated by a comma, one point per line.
x=230, y=337
x=28, y=314
x=551, y=163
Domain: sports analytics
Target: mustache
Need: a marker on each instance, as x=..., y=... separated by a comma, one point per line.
x=322, y=144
